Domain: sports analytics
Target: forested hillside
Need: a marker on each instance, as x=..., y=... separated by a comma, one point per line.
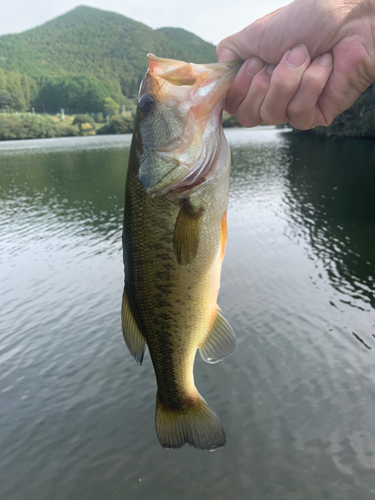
x=80, y=58
x=87, y=58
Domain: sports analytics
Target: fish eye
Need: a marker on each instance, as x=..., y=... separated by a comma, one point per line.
x=146, y=103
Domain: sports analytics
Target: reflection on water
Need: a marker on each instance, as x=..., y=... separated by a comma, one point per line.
x=332, y=201
x=297, y=399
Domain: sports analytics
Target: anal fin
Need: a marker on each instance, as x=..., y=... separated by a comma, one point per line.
x=186, y=234
x=220, y=341
x=133, y=337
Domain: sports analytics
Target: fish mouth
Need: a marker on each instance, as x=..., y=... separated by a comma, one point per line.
x=184, y=73
x=208, y=82
x=200, y=89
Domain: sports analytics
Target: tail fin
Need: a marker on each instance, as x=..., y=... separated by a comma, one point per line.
x=196, y=425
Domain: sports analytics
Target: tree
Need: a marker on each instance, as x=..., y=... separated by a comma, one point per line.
x=73, y=93
x=110, y=106
x=6, y=100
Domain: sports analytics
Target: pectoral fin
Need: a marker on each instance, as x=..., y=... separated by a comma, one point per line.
x=186, y=234
x=220, y=341
x=134, y=339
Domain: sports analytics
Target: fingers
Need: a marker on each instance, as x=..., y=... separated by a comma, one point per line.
x=353, y=71
x=248, y=112
x=290, y=92
x=271, y=90
x=286, y=78
x=304, y=96
x=304, y=111
x=241, y=84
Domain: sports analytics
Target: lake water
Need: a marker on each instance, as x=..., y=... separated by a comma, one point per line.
x=297, y=399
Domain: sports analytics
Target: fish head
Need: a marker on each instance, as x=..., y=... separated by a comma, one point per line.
x=179, y=110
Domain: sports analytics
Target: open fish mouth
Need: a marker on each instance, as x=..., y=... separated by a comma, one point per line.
x=182, y=130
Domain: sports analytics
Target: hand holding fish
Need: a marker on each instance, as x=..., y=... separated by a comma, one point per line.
x=304, y=63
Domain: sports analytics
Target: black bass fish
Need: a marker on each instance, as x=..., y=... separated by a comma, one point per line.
x=174, y=238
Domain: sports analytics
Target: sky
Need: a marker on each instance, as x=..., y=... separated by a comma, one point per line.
x=212, y=20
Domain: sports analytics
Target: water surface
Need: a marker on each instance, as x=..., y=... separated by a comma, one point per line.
x=297, y=399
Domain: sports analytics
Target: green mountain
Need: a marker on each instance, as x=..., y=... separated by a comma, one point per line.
x=77, y=60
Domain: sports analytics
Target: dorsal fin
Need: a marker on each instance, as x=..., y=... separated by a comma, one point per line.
x=220, y=341
x=133, y=337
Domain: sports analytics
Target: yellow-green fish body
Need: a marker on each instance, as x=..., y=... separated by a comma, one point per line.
x=174, y=241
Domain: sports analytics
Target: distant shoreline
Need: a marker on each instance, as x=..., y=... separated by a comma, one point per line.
x=28, y=126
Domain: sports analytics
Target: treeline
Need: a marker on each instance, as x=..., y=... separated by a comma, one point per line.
x=15, y=126
x=34, y=126
x=74, y=94
x=17, y=91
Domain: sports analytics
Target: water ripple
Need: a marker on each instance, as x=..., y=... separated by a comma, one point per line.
x=297, y=399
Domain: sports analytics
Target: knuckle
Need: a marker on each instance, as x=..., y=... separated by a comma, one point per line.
x=300, y=125
x=227, y=49
x=299, y=117
x=273, y=121
x=295, y=110
x=248, y=123
x=283, y=85
x=231, y=109
x=221, y=46
x=325, y=121
x=313, y=81
x=260, y=83
x=271, y=117
x=248, y=120
x=231, y=103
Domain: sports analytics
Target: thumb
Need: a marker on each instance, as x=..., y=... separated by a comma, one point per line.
x=225, y=53
x=246, y=42
x=236, y=47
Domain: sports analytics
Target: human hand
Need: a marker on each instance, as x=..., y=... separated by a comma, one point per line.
x=297, y=90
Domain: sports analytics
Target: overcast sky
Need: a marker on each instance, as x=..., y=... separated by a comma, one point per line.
x=212, y=20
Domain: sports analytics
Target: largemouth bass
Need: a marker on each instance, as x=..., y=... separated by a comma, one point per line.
x=174, y=238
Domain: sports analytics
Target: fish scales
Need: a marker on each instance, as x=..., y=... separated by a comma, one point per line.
x=171, y=293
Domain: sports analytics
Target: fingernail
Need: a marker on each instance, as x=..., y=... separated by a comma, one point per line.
x=326, y=60
x=254, y=65
x=270, y=69
x=297, y=56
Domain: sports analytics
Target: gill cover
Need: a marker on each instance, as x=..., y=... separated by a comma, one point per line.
x=179, y=110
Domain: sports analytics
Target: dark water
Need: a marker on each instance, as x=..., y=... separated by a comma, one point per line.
x=297, y=399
